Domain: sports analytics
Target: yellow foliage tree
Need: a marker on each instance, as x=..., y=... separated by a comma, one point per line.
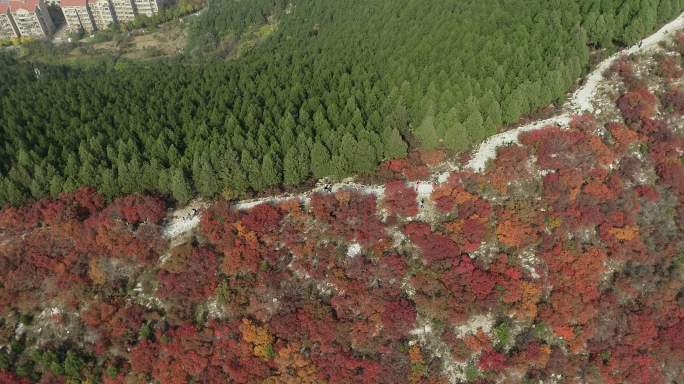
x=95, y=272
x=259, y=337
x=528, y=303
x=418, y=367
x=293, y=367
x=625, y=234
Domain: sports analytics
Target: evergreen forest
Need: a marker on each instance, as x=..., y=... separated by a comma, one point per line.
x=333, y=89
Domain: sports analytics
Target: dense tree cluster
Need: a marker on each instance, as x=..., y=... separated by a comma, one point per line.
x=334, y=90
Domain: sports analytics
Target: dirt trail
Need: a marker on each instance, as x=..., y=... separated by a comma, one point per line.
x=186, y=219
x=580, y=101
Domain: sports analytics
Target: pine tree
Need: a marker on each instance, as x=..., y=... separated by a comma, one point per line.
x=231, y=174
x=320, y=161
x=321, y=124
x=394, y=145
x=303, y=93
x=648, y=15
x=634, y=31
x=270, y=171
x=14, y=195
x=107, y=183
x=150, y=175
x=426, y=132
x=38, y=186
x=456, y=138
x=56, y=184
x=36, y=189
x=296, y=165
x=195, y=169
x=363, y=158
x=340, y=166
x=493, y=112
x=513, y=108
x=600, y=31
x=665, y=10
x=179, y=186
x=445, y=121
x=135, y=168
x=70, y=184
x=489, y=128
x=207, y=183
x=474, y=126
x=71, y=165
x=253, y=171
x=73, y=365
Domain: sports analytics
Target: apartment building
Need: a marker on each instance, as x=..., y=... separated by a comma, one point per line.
x=8, y=30
x=147, y=7
x=31, y=18
x=124, y=10
x=77, y=15
x=102, y=12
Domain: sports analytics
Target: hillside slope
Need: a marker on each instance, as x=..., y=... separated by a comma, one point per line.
x=335, y=89
x=560, y=262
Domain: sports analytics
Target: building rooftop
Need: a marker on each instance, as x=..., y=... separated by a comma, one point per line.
x=74, y=3
x=29, y=5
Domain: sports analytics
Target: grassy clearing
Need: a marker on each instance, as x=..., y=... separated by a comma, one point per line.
x=234, y=48
x=167, y=40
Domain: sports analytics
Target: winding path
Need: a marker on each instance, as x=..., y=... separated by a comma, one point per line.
x=580, y=101
x=184, y=220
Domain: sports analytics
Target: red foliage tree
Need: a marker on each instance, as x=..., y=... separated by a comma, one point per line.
x=668, y=67
x=124, y=320
x=183, y=356
x=492, y=361
x=400, y=199
x=10, y=378
x=392, y=267
x=217, y=223
x=115, y=238
x=230, y=357
x=136, y=209
x=193, y=281
x=68, y=207
x=350, y=215
x=623, y=68
x=627, y=365
x=435, y=247
x=398, y=318
x=637, y=104
x=97, y=313
x=516, y=230
x=243, y=249
x=343, y=368
x=143, y=356
x=566, y=149
x=674, y=99
x=623, y=136
x=511, y=163
x=263, y=218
